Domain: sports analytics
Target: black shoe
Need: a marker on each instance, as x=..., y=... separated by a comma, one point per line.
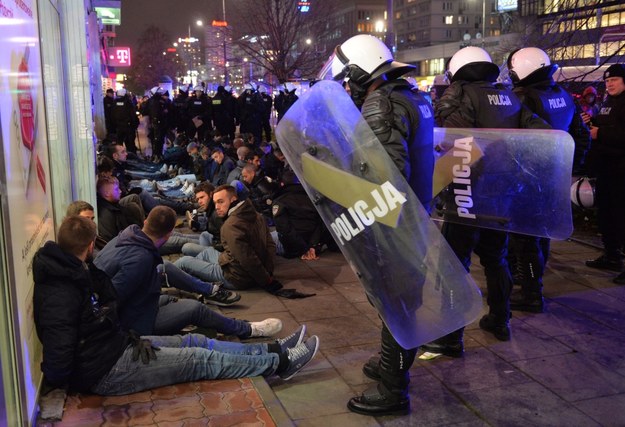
x=605, y=262
x=620, y=279
x=372, y=368
x=501, y=330
x=373, y=402
x=221, y=297
x=531, y=302
x=447, y=349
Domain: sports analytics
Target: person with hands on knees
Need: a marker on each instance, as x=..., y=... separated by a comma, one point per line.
x=247, y=260
x=86, y=350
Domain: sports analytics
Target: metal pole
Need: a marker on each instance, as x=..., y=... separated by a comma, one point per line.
x=389, y=40
x=223, y=6
x=483, y=21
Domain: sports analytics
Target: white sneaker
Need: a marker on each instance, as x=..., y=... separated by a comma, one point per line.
x=185, y=186
x=190, y=190
x=171, y=168
x=266, y=328
x=164, y=169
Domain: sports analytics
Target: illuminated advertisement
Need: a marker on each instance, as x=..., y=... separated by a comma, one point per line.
x=303, y=6
x=109, y=15
x=119, y=57
x=506, y=5
x=27, y=216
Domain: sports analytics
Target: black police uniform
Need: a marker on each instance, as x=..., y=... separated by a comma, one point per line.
x=403, y=121
x=223, y=109
x=608, y=152
x=250, y=114
x=266, y=115
x=181, y=111
x=199, y=107
x=475, y=103
x=528, y=254
x=125, y=121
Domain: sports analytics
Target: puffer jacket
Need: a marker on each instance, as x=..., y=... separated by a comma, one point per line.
x=76, y=320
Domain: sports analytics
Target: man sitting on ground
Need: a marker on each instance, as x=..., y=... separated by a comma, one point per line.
x=132, y=262
x=85, y=350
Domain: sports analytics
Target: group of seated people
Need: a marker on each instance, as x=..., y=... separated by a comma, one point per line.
x=106, y=323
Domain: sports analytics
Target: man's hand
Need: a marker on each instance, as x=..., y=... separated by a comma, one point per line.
x=594, y=131
x=143, y=349
x=310, y=255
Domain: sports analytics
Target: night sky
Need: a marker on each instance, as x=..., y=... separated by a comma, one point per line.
x=174, y=16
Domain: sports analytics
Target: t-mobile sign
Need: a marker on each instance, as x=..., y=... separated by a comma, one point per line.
x=119, y=57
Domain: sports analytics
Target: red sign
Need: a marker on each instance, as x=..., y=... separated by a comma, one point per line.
x=119, y=57
x=220, y=24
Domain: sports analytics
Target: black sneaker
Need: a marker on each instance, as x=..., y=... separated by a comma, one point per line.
x=292, y=340
x=221, y=297
x=501, y=330
x=299, y=357
x=605, y=262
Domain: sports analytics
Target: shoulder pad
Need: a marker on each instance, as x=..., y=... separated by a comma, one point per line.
x=378, y=112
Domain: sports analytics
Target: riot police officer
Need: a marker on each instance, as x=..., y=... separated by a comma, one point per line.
x=402, y=119
x=266, y=113
x=199, y=111
x=531, y=72
x=180, y=109
x=473, y=101
x=125, y=120
x=250, y=112
x=224, y=112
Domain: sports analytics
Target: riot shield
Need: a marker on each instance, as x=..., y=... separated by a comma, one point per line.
x=506, y=179
x=408, y=271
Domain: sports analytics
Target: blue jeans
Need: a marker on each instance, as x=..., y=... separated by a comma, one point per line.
x=175, y=314
x=176, y=278
x=276, y=240
x=186, y=358
x=176, y=242
x=193, y=249
x=205, y=266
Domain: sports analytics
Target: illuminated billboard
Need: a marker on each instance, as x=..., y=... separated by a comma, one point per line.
x=109, y=15
x=303, y=6
x=119, y=57
x=506, y=5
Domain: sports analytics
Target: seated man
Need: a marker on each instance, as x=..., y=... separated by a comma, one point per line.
x=205, y=220
x=175, y=278
x=221, y=168
x=132, y=262
x=249, y=251
x=85, y=350
x=261, y=189
x=115, y=213
x=299, y=227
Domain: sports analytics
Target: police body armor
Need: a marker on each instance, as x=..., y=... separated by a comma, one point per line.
x=551, y=103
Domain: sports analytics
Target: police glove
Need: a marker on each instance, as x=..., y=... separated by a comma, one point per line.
x=142, y=348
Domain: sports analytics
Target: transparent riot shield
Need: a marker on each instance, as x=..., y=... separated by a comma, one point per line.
x=514, y=180
x=407, y=269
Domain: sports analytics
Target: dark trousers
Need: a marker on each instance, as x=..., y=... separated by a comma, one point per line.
x=492, y=248
x=611, y=207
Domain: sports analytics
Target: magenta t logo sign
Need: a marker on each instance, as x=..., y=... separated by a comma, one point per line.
x=119, y=57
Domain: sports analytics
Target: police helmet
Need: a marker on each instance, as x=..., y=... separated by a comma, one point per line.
x=154, y=90
x=364, y=58
x=121, y=92
x=583, y=192
x=472, y=63
x=228, y=88
x=529, y=62
x=198, y=88
x=183, y=88
x=262, y=89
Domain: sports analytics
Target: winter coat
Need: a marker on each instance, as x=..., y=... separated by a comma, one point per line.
x=130, y=260
x=249, y=250
x=76, y=320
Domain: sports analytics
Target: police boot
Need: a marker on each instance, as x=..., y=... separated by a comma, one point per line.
x=390, y=396
x=372, y=368
x=450, y=345
x=530, y=297
x=609, y=261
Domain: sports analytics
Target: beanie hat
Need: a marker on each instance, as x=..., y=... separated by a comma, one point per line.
x=615, y=70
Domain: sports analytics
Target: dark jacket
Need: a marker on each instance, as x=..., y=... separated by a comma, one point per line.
x=298, y=224
x=219, y=172
x=130, y=260
x=249, y=250
x=611, y=134
x=76, y=320
x=112, y=218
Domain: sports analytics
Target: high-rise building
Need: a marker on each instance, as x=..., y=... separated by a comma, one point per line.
x=218, y=51
x=426, y=23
